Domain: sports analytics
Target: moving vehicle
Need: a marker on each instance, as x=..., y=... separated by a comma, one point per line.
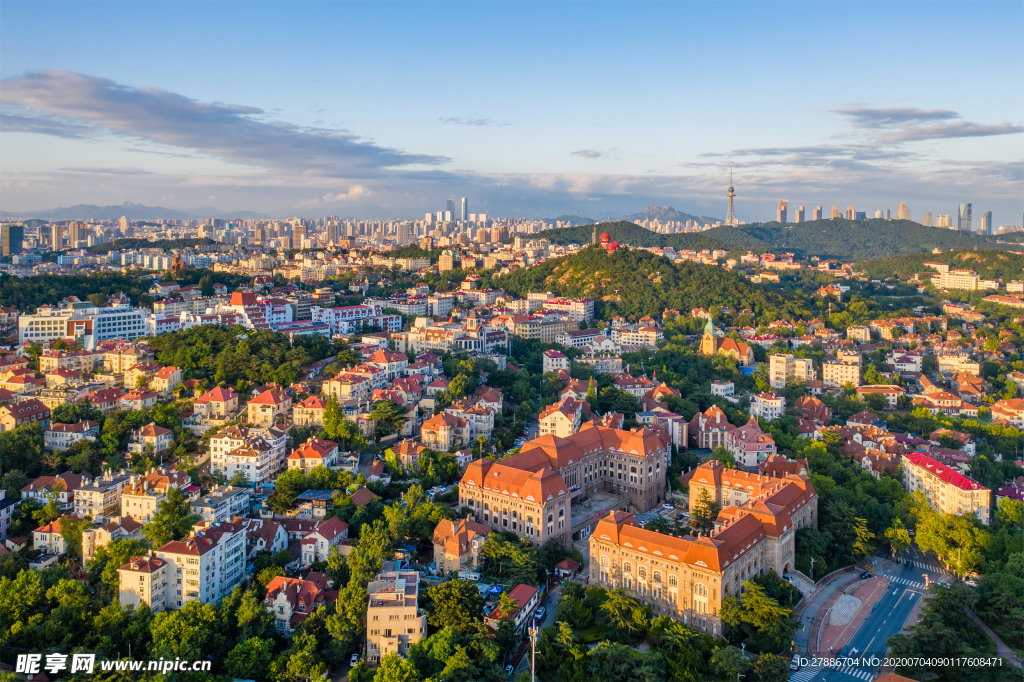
x=865, y=575
x=794, y=663
x=509, y=669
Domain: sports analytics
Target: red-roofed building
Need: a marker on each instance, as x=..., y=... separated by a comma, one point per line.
x=218, y=403
x=527, y=600
x=25, y=412
x=291, y=600
x=309, y=411
x=947, y=489
x=313, y=453
x=528, y=494
x=458, y=546
x=317, y=545
x=269, y=406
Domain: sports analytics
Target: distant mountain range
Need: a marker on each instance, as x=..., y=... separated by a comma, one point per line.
x=666, y=213
x=132, y=212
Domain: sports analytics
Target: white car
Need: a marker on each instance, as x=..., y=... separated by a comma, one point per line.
x=354, y=660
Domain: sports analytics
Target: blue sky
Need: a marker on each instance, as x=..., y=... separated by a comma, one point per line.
x=531, y=109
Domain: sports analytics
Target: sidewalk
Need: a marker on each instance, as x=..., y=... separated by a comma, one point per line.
x=1001, y=648
x=836, y=636
x=810, y=608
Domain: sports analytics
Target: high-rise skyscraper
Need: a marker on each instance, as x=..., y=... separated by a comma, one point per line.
x=465, y=209
x=903, y=212
x=926, y=220
x=986, y=223
x=878, y=213
x=56, y=237
x=850, y=213
x=817, y=213
x=403, y=233
x=963, y=219
x=730, y=217
x=835, y=212
x=783, y=214
x=11, y=236
x=450, y=206
x=298, y=236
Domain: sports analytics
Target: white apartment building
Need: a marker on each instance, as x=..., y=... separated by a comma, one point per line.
x=394, y=619
x=204, y=567
x=578, y=309
x=346, y=320
x=101, y=498
x=836, y=374
x=767, y=405
x=962, y=279
x=82, y=321
x=783, y=366
x=256, y=451
x=222, y=504
x=947, y=490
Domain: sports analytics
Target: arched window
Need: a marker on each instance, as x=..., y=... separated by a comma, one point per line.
x=657, y=576
x=627, y=567
x=642, y=572
x=604, y=561
x=702, y=590
x=672, y=581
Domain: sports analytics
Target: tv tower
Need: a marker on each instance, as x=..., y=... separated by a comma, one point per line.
x=730, y=219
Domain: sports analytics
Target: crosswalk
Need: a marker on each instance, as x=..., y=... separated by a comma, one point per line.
x=926, y=566
x=808, y=673
x=905, y=581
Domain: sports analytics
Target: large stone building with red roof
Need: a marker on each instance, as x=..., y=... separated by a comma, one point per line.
x=529, y=493
x=687, y=578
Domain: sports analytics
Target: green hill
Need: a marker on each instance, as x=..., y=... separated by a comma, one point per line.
x=636, y=283
x=850, y=240
x=988, y=264
x=631, y=234
x=846, y=240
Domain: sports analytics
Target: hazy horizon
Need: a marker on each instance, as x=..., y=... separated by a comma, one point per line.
x=529, y=110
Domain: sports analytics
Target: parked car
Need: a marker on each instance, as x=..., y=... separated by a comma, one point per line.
x=668, y=506
x=509, y=670
x=540, y=613
x=865, y=575
x=794, y=663
x=354, y=660
x=972, y=582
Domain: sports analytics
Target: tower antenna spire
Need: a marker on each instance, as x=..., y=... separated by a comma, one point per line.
x=730, y=218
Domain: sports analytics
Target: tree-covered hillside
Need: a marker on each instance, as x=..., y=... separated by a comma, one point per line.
x=637, y=283
x=988, y=264
x=165, y=244
x=631, y=234
x=850, y=240
x=846, y=240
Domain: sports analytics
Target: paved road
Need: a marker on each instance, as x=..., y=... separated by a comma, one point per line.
x=887, y=619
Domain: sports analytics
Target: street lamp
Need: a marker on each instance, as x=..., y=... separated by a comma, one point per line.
x=533, y=653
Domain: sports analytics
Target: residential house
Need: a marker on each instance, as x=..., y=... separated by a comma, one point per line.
x=29, y=411
x=317, y=545
x=151, y=438
x=291, y=600
x=269, y=407
x=309, y=412
x=444, y=431
x=60, y=437
x=458, y=546
x=313, y=453
x=527, y=599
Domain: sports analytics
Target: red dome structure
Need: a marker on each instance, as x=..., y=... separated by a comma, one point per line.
x=611, y=247
x=605, y=238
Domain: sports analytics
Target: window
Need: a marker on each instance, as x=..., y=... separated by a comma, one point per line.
x=673, y=581
x=642, y=573
x=627, y=567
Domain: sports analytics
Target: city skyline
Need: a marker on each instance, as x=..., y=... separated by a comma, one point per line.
x=322, y=130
